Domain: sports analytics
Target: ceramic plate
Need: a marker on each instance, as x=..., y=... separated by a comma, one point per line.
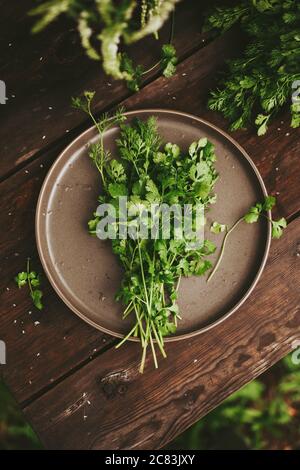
x=85, y=273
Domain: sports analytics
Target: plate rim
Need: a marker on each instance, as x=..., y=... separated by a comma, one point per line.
x=168, y=339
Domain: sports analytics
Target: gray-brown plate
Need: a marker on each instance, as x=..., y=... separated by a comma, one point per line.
x=85, y=273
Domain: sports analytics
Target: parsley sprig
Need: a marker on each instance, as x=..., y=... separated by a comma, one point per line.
x=32, y=280
x=252, y=216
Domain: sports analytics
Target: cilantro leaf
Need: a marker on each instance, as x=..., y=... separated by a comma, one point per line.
x=21, y=279
x=36, y=296
x=277, y=227
x=168, y=60
x=217, y=228
x=117, y=189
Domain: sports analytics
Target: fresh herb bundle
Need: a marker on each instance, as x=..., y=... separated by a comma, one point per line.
x=260, y=82
x=148, y=175
x=104, y=25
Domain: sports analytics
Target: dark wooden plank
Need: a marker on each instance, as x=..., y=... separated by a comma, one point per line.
x=108, y=405
x=19, y=195
x=38, y=353
x=43, y=72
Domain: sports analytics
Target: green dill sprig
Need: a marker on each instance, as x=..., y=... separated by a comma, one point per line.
x=104, y=26
x=97, y=152
x=259, y=83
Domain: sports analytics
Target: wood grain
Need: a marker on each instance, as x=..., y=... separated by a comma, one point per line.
x=60, y=364
x=43, y=71
x=108, y=405
x=19, y=194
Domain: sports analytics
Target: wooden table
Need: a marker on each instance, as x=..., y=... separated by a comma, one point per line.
x=62, y=370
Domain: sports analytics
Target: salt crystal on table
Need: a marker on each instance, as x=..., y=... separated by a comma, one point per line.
x=38, y=354
x=23, y=332
x=36, y=323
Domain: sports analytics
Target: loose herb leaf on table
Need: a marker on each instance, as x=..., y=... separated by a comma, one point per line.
x=32, y=280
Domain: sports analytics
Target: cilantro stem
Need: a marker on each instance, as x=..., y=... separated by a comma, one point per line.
x=223, y=248
x=171, y=38
x=143, y=277
x=178, y=283
x=127, y=336
x=140, y=324
x=153, y=352
x=28, y=277
x=158, y=340
x=141, y=370
x=128, y=309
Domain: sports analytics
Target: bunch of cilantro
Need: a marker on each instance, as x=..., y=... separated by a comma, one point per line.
x=263, y=79
x=149, y=173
